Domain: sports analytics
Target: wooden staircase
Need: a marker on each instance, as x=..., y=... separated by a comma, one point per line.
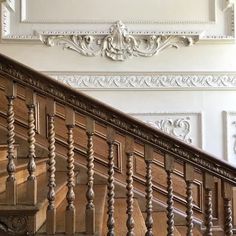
x=38, y=220
x=72, y=165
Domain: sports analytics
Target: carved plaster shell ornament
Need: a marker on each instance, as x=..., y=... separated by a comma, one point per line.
x=119, y=45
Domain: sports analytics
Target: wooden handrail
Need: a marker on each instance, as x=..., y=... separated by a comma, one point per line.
x=124, y=123
x=110, y=116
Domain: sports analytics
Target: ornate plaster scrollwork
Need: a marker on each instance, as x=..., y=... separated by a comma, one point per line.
x=119, y=45
x=179, y=128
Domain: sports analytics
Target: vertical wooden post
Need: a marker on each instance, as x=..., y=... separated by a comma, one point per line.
x=208, y=186
x=30, y=99
x=110, y=182
x=169, y=167
x=90, y=208
x=11, y=184
x=227, y=193
x=189, y=178
x=70, y=209
x=51, y=209
x=129, y=149
x=148, y=156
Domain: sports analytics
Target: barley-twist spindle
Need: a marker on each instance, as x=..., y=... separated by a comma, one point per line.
x=148, y=156
x=228, y=218
x=90, y=208
x=11, y=185
x=170, y=205
x=51, y=209
x=149, y=219
x=169, y=167
x=189, y=210
x=208, y=212
x=31, y=180
x=130, y=195
x=70, y=209
x=111, y=193
x=189, y=178
x=31, y=142
x=110, y=183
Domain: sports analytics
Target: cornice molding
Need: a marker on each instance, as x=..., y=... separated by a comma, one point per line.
x=143, y=81
x=119, y=44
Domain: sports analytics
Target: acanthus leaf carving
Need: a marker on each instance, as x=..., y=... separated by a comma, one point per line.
x=119, y=45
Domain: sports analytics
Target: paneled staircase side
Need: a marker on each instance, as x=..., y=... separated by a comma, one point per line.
x=134, y=169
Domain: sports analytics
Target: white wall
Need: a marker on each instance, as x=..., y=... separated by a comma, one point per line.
x=199, y=107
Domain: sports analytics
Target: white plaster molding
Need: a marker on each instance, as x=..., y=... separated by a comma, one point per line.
x=5, y=20
x=177, y=127
x=217, y=29
x=150, y=81
x=186, y=126
x=118, y=45
x=229, y=135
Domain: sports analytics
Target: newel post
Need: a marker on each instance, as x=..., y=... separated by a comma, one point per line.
x=11, y=183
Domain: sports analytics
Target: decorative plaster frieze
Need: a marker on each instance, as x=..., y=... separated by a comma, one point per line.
x=119, y=44
x=5, y=20
x=156, y=80
x=179, y=128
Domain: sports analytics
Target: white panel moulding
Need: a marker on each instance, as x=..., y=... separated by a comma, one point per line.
x=206, y=19
x=186, y=126
x=147, y=81
x=229, y=121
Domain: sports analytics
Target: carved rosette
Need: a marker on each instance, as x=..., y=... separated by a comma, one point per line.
x=119, y=45
x=14, y=225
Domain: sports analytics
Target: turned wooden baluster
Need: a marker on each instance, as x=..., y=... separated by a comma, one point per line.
x=129, y=149
x=208, y=186
x=11, y=184
x=90, y=208
x=169, y=167
x=51, y=209
x=30, y=99
x=110, y=182
x=227, y=193
x=70, y=209
x=189, y=178
x=148, y=156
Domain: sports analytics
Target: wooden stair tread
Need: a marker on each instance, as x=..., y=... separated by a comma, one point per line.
x=121, y=217
x=183, y=231
x=160, y=225
x=42, y=189
x=80, y=205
